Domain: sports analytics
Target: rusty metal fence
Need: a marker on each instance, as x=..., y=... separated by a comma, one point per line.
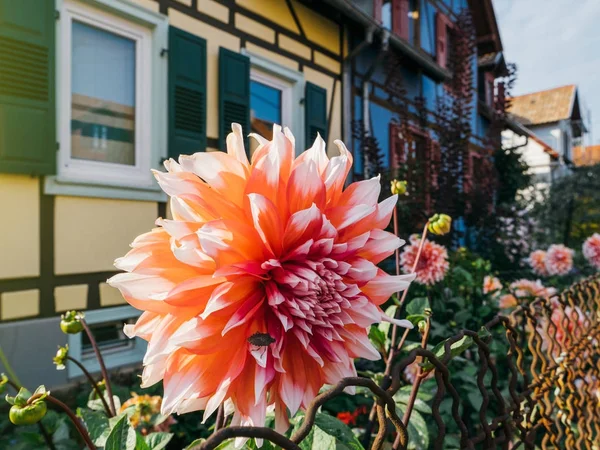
x=553, y=365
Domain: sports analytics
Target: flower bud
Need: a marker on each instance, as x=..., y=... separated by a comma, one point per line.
x=29, y=414
x=439, y=224
x=3, y=383
x=61, y=357
x=422, y=326
x=398, y=187
x=71, y=322
x=24, y=410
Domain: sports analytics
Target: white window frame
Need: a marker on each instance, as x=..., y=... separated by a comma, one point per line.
x=112, y=360
x=291, y=83
x=149, y=30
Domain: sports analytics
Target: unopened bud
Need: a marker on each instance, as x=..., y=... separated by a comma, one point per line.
x=70, y=322
x=61, y=357
x=422, y=326
x=3, y=383
x=439, y=224
x=398, y=187
x=24, y=410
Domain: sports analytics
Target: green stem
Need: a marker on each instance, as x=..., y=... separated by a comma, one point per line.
x=9, y=371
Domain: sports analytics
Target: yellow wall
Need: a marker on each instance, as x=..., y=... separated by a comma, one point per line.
x=19, y=229
x=90, y=233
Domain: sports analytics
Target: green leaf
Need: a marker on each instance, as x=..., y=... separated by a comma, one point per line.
x=416, y=318
x=158, y=441
x=377, y=338
x=140, y=443
x=417, y=431
x=418, y=306
x=97, y=405
x=339, y=430
x=321, y=440
x=385, y=326
x=463, y=275
x=122, y=436
x=402, y=398
x=455, y=349
x=97, y=425
x=195, y=445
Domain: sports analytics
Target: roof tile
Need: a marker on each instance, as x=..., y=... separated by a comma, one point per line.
x=546, y=106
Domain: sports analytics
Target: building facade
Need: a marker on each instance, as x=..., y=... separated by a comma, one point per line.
x=94, y=94
x=556, y=123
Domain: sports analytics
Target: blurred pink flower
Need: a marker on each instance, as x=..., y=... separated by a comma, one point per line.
x=433, y=263
x=591, y=250
x=524, y=289
x=263, y=286
x=559, y=260
x=491, y=284
x=537, y=261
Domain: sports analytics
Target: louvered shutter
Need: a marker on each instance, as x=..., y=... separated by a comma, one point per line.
x=27, y=92
x=400, y=18
x=489, y=88
x=315, y=107
x=441, y=32
x=187, y=93
x=234, y=93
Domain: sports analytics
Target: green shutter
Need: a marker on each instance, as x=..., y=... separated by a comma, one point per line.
x=27, y=91
x=187, y=93
x=315, y=107
x=234, y=93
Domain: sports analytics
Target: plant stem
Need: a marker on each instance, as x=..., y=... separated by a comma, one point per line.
x=41, y=426
x=220, y=418
x=94, y=385
x=80, y=428
x=9, y=371
x=416, y=263
x=102, y=366
x=415, y=388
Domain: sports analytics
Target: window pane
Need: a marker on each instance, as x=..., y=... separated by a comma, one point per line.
x=265, y=104
x=102, y=96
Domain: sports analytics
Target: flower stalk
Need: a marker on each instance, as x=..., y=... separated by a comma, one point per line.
x=86, y=328
x=78, y=425
x=95, y=386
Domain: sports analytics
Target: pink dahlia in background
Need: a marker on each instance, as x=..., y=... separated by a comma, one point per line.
x=524, y=289
x=537, y=261
x=491, y=284
x=263, y=286
x=591, y=250
x=559, y=260
x=433, y=263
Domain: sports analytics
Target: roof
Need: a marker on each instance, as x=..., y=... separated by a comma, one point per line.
x=521, y=130
x=546, y=106
x=586, y=156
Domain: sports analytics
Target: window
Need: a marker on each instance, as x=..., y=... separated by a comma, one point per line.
x=111, y=118
x=117, y=349
x=276, y=94
x=386, y=14
x=270, y=102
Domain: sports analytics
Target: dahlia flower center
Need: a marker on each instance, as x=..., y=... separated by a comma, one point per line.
x=311, y=296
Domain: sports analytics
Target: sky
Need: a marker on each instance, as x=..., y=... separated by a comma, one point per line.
x=554, y=43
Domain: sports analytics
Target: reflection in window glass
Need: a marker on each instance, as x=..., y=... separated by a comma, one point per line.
x=386, y=14
x=102, y=96
x=265, y=104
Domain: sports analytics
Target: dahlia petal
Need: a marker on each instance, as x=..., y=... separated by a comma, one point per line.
x=399, y=322
x=365, y=192
x=235, y=144
x=301, y=226
x=305, y=187
x=381, y=288
x=379, y=246
x=245, y=312
x=266, y=222
x=345, y=216
x=317, y=154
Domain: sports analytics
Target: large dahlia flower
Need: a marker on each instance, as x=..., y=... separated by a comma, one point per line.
x=263, y=286
x=559, y=259
x=537, y=262
x=591, y=250
x=433, y=263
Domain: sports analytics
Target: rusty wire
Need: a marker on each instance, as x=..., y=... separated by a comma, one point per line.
x=553, y=395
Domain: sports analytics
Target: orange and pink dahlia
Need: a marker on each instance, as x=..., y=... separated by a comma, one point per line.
x=491, y=284
x=537, y=262
x=433, y=263
x=559, y=260
x=263, y=286
x=591, y=250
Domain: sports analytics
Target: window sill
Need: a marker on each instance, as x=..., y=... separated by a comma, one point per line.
x=54, y=185
x=112, y=360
